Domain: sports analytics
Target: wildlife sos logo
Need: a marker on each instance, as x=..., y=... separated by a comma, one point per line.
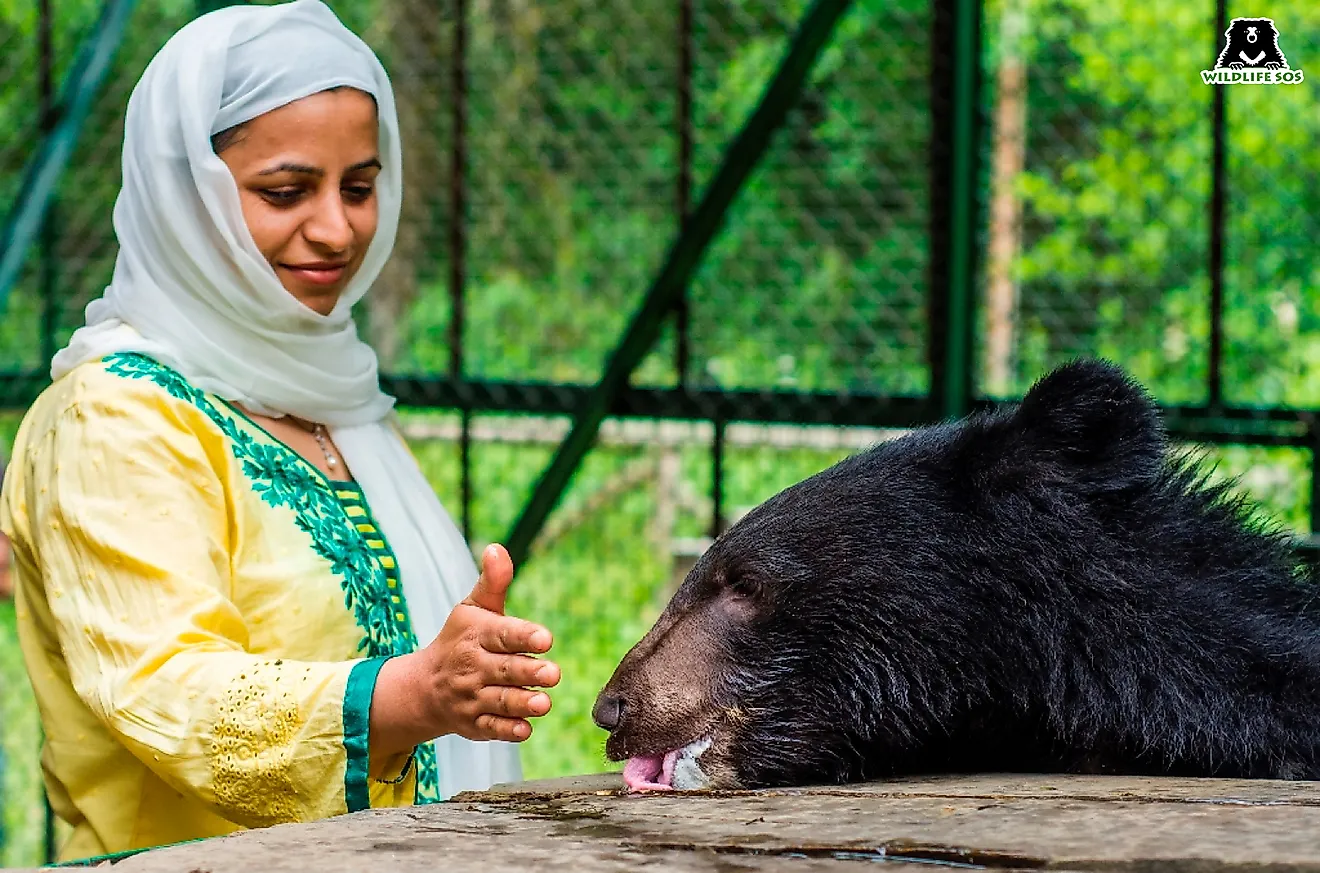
x=1251, y=56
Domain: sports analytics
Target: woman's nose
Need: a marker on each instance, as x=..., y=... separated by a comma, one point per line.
x=328, y=226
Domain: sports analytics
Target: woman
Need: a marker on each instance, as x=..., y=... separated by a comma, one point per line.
x=225, y=555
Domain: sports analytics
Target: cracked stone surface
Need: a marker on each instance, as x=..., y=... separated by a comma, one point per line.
x=588, y=824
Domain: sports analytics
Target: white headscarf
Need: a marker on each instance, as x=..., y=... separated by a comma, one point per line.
x=191, y=289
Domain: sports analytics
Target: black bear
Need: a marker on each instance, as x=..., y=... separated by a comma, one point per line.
x=1251, y=43
x=1045, y=588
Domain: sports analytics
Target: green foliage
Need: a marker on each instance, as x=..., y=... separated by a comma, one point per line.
x=1116, y=192
x=21, y=806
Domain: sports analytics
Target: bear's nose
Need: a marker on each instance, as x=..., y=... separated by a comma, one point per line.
x=608, y=711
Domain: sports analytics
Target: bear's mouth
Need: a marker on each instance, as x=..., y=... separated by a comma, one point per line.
x=676, y=769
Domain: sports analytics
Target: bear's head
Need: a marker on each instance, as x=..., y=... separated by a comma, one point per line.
x=841, y=615
x=1251, y=42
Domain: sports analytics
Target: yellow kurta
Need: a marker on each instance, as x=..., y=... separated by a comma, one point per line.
x=202, y=613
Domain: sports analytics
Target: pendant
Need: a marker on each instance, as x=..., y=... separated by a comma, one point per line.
x=330, y=460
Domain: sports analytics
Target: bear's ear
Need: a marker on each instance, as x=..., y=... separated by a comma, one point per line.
x=1089, y=416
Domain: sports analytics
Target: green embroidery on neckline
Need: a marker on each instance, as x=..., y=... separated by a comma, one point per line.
x=283, y=479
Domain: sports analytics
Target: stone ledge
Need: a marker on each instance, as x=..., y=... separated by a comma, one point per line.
x=1010, y=822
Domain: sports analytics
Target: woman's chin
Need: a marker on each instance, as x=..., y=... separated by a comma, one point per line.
x=319, y=299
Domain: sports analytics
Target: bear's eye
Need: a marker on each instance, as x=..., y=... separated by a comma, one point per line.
x=744, y=586
x=742, y=598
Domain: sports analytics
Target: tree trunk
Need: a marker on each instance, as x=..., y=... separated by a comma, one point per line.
x=1005, y=209
x=417, y=38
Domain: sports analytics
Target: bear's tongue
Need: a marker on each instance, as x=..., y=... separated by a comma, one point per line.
x=650, y=772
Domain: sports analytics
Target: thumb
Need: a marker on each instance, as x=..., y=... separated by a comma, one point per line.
x=493, y=583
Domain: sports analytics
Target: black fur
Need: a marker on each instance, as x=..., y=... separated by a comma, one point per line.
x=1041, y=589
x=1238, y=43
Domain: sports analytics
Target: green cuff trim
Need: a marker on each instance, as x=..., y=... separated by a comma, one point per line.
x=357, y=728
x=112, y=857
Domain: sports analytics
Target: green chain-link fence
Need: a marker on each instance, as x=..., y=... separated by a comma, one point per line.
x=554, y=151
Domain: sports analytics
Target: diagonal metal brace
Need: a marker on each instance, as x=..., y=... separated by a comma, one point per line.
x=42, y=175
x=682, y=260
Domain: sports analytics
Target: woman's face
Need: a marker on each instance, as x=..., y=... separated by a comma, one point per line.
x=306, y=175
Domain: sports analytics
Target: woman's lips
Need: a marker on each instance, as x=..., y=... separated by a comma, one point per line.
x=318, y=274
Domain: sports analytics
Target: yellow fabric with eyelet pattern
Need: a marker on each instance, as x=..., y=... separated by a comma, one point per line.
x=202, y=615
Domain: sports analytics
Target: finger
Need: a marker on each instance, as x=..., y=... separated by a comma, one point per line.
x=509, y=702
x=510, y=730
x=493, y=583
x=512, y=636
x=521, y=670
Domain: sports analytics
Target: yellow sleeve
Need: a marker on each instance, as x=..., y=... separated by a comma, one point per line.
x=132, y=532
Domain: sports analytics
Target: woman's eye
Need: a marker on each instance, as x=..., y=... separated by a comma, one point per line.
x=358, y=193
x=281, y=196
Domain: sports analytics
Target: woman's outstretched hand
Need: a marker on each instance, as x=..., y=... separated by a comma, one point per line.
x=476, y=679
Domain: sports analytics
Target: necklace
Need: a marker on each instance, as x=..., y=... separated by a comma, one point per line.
x=317, y=430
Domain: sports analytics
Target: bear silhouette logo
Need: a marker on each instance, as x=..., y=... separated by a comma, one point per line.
x=1251, y=56
x=1252, y=42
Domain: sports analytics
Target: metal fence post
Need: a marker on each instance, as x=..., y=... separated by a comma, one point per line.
x=1218, y=198
x=42, y=175
x=955, y=158
x=742, y=157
